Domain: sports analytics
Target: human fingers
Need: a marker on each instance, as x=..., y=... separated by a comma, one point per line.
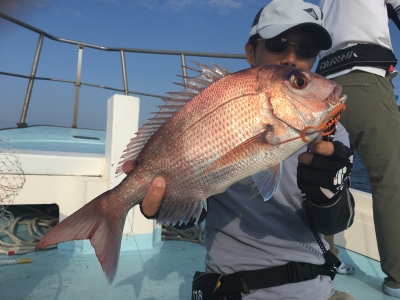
x=152, y=200
x=305, y=158
x=320, y=147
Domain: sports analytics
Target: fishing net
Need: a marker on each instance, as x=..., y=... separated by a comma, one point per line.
x=12, y=179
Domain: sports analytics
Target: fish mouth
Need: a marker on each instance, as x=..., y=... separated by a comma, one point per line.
x=328, y=125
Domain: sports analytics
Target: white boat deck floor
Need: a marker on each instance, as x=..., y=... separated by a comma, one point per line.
x=164, y=272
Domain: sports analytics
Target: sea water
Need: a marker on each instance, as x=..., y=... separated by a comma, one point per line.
x=359, y=176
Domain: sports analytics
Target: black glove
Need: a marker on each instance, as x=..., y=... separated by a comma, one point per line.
x=323, y=179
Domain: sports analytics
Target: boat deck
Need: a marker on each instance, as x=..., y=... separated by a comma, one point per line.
x=164, y=272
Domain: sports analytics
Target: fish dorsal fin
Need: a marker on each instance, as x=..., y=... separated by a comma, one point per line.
x=207, y=76
x=267, y=181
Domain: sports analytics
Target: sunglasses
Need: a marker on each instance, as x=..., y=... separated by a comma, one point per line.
x=281, y=45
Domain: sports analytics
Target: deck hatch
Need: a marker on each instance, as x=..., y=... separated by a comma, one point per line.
x=85, y=137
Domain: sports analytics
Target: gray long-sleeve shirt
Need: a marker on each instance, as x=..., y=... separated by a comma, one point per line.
x=244, y=233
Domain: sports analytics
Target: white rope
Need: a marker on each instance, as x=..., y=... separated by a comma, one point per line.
x=36, y=220
x=193, y=234
x=4, y=262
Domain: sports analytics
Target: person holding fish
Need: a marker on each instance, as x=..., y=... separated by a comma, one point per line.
x=266, y=250
x=224, y=144
x=362, y=61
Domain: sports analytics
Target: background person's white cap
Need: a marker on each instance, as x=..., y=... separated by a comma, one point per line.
x=281, y=15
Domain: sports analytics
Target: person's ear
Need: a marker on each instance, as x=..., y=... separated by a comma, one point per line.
x=250, y=55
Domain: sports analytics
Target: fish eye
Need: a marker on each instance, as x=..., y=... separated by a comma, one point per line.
x=298, y=80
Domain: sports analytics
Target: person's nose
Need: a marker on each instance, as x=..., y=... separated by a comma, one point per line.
x=290, y=57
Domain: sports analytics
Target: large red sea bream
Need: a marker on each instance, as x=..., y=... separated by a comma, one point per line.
x=220, y=129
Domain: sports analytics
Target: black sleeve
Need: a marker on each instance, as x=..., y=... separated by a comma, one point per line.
x=335, y=215
x=392, y=14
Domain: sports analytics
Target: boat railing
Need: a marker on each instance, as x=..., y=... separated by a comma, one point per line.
x=77, y=82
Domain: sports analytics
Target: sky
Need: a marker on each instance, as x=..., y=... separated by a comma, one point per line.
x=218, y=26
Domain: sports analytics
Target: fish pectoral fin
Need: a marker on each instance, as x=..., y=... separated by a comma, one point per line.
x=172, y=214
x=267, y=181
x=254, y=189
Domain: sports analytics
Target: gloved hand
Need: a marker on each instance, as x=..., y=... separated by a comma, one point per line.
x=323, y=178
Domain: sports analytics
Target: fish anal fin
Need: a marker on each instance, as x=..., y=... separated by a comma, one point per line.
x=172, y=214
x=90, y=222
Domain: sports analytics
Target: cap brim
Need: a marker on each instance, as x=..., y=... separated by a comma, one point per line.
x=318, y=33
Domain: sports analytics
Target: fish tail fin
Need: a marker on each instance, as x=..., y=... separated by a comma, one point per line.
x=93, y=221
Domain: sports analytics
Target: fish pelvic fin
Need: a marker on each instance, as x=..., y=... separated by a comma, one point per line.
x=193, y=86
x=92, y=222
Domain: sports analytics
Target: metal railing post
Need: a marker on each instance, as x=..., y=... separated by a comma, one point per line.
x=32, y=77
x=183, y=61
x=124, y=76
x=30, y=83
x=77, y=85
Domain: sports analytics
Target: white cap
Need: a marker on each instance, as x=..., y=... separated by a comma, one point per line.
x=281, y=15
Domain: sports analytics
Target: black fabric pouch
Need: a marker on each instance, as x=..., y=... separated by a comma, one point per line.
x=204, y=285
